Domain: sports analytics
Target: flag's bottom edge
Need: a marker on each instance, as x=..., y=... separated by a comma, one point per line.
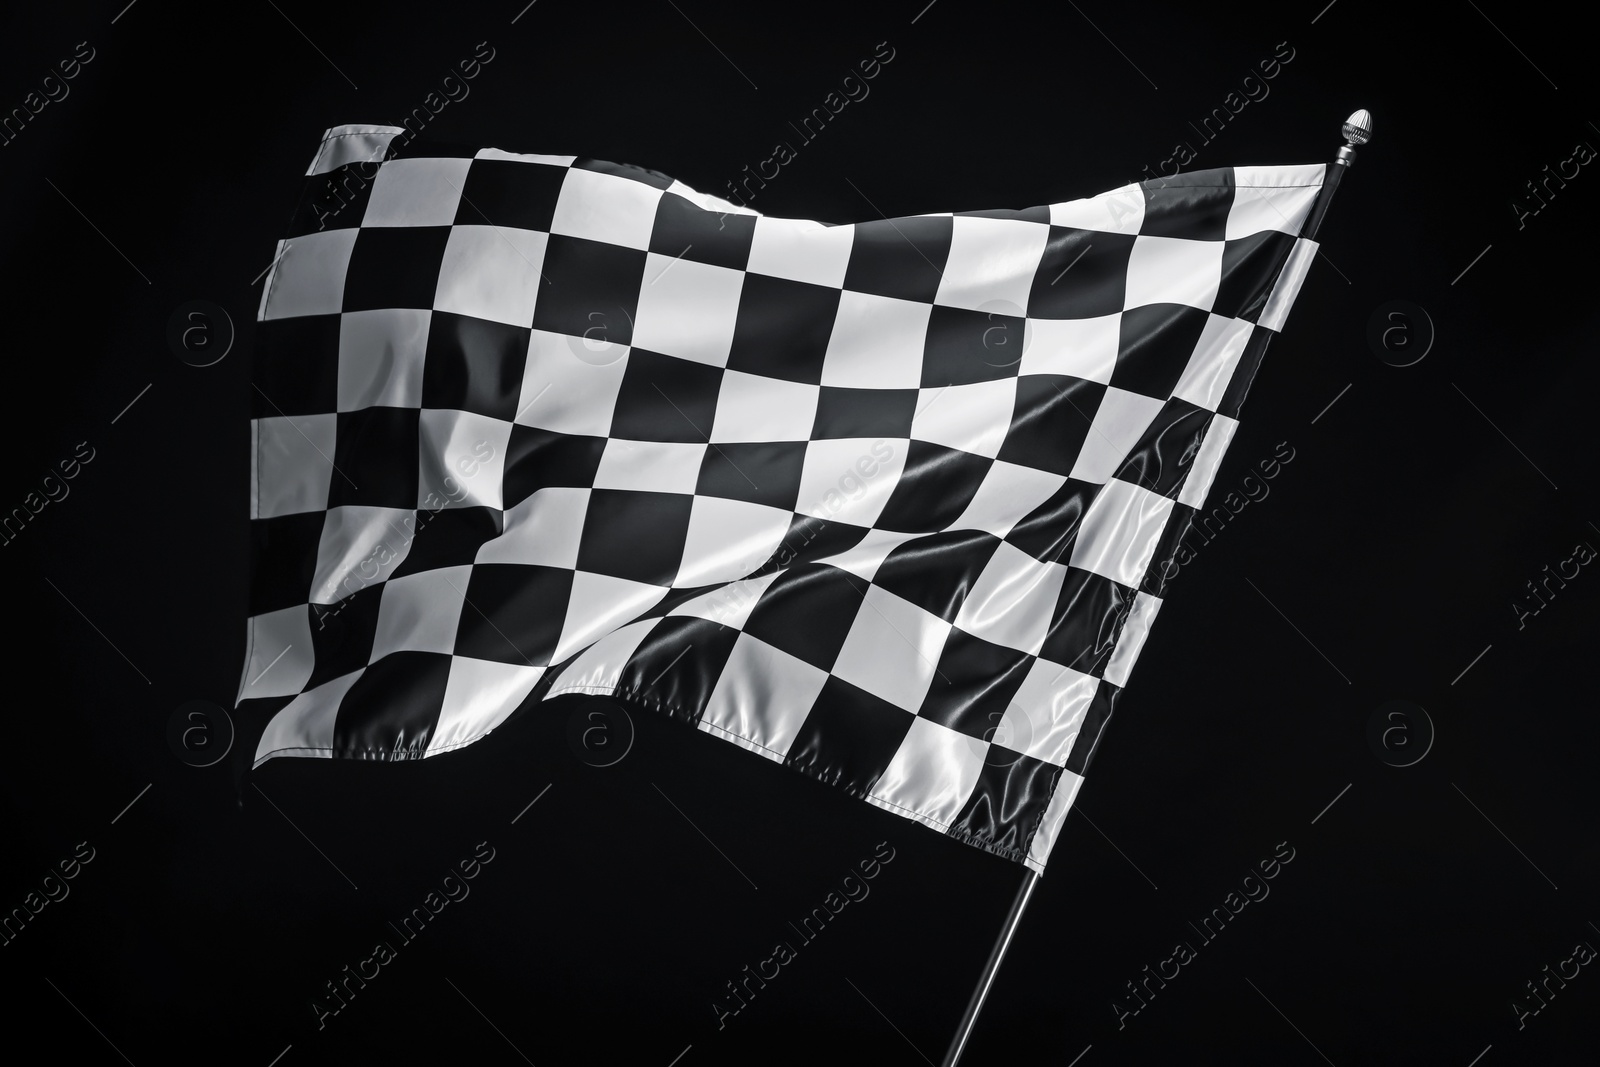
x=963, y=836
x=643, y=704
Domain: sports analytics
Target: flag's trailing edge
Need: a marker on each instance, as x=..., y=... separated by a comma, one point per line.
x=890, y=503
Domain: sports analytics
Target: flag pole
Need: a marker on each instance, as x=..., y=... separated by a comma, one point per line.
x=990, y=969
x=1357, y=130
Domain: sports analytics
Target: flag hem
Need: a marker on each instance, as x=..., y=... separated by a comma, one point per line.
x=966, y=837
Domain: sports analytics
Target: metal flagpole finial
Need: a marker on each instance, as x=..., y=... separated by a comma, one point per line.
x=1357, y=131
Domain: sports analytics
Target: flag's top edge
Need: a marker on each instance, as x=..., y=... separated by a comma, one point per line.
x=1284, y=176
x=355, y=143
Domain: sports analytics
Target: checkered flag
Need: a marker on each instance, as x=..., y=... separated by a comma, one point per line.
x=890, y=503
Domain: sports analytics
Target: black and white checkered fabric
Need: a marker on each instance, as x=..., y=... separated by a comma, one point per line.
x=890, y=503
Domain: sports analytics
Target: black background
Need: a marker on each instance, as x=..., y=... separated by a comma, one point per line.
x=1386, y=557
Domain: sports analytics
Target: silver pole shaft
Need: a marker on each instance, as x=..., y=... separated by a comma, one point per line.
x=1013, y=920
